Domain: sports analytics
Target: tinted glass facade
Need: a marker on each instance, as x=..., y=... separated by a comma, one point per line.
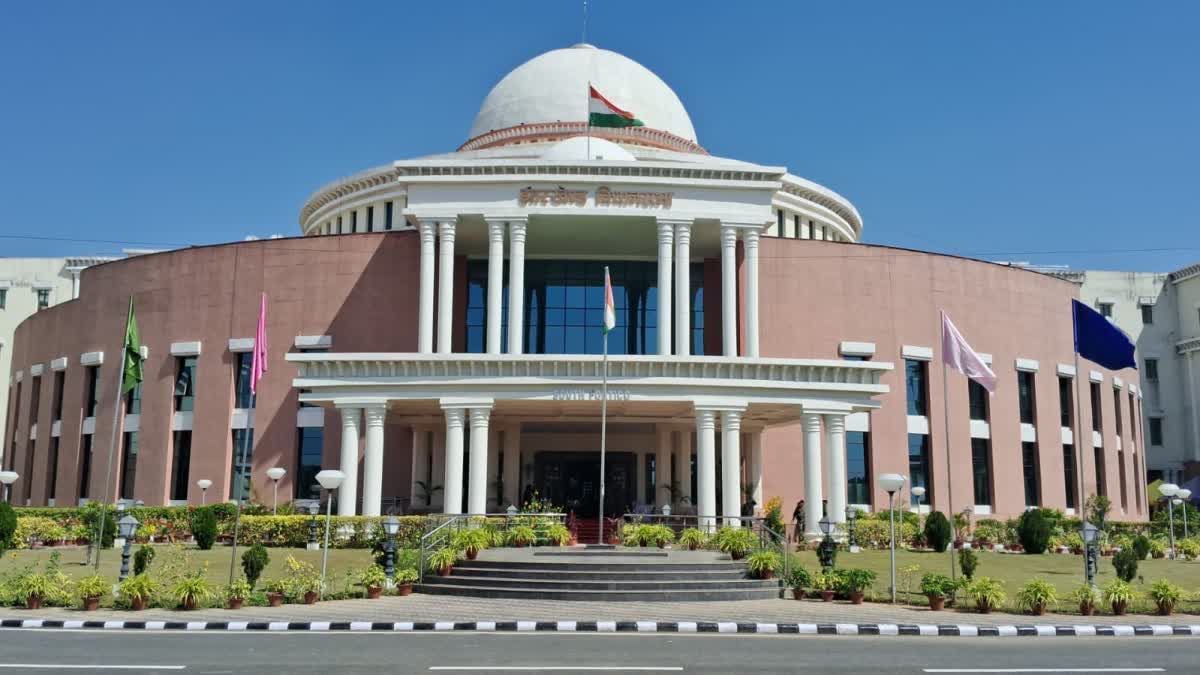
x=308, y=462
x=243, y=459
x=978, y=400
x=981, y=470
x=129, y=457
x=1029, y=462
x=915, y=383
x=185, y=384
x=918, y=466
x=241, y=383
x=1026, y=398
x=858, y=467
x=1069, y=475
x=181, y=465
x=1066, y=402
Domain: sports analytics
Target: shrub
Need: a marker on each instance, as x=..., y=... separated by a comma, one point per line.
x=238, y=590
x=92, y=586
x=1036, y=595
x=142, y=558
x=1141, y=547
x=991, y=531
x=1117, y=592
x=204, y=527
x=521, y=535
x=631, y=534
x=406, y=575
x=937, y=531
x=1166, y=595
x=8, y=526
x=734, y=541
x=937, y=585
x=471, y=541
x=558, y=535
x=773, y=519
x=762, y=563
x=372, y=576
x=303, y=577
x=1126, y=564
x=857, y=580
x=692, y=538
x=968, y=560
x=192, y=588
x=1086, y=595
x=443, y=558
x=139, y=586
x=37, y=529
x=799, y=577
x=254, y=561
x=1034, y=530
x=987, y=593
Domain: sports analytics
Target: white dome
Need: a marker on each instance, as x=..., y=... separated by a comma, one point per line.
x=552, y=87
x=581, y=148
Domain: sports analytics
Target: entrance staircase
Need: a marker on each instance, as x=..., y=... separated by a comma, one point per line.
x=614, y=574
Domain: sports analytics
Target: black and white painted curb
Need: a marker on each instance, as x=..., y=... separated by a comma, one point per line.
x=955, y=630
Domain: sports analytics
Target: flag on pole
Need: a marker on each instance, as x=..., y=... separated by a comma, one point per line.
x=602, y=113
x=1099, y=341
x=133, y=354
x=957, y=354
x=258, y=365
x=610, y=310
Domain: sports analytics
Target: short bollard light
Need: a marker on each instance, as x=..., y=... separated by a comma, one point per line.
x=851, y=516
x=825, y=551
x=126, y=527
x=313, y=509
x=1185, y=495
x=1090, y=537
x=391, y=526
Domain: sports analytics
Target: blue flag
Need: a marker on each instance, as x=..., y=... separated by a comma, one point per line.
x=1099, y=341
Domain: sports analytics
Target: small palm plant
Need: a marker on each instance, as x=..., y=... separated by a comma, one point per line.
x=1088, y=597
x=762, y=564
x=692, y=538
x=1166, y=595
x=1118, y=594
x=987, y=593
x=1036, y=595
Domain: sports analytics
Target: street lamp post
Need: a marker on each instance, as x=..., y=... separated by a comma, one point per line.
x=851, y=516
x=331, y=480
x=827, y=548
x=126, y=527
x=204, y=484
x=275, y=474
x=1168, y=491
x=891, y=483
x=1184, y=495
x=313, y=509
x=918, y=492
x=391, y=525
x=7, y=478
x=1091, y=560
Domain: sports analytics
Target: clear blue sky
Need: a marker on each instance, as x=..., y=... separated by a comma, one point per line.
x=1055, y=132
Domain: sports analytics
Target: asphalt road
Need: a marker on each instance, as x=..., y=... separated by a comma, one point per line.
x=38, y=651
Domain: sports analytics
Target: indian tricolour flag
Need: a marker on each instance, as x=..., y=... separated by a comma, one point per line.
x=602, y=113
x=610, y=310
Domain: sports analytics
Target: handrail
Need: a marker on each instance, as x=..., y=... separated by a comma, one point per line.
x=442, y=533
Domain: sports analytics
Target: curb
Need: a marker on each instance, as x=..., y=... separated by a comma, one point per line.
x=941, y=630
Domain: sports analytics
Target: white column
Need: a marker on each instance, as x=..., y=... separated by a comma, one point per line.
x=731, y=467
x=812, y=475
x=750, y=242
x=835, y=453
x=452, y=487
x=420, y=465
x=662, y=467
x=756, y=467
x=445, y=319
x=75, y=283
x=729, y=290
x=706, y=465
x=437, y=467
x=516, y=285
x=683, y=467
x=347, y=496
x=512, y=466
x=478, y=478
x=373, y=460
x=425, y=317
x=683, y=289
x=493, y=467
x=362, y=219
x=495, y=291
x=666, y=239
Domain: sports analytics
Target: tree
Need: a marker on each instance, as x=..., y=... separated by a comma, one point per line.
x=254, y=561
x=968, y=560
x=1098, y=508
x=1125, y=563
x=1034, y=530
x=204, y=527
x=937, y=531
x=8, y=525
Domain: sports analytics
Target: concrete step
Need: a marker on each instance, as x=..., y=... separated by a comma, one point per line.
x=764, y=593
x=645, y=574
x=608, y=565
x=463, y=580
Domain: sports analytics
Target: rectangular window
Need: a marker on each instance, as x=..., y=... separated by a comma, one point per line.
x=1117, y=411
x=354, y=221
x=1029, y=463
x=59, y=381
x=1133, y=419
x=979, y=403
x=239, y=468
x=371, y=219
x=981, y=470
x=185, y=383
x=779, y=221
x=129, y=453
x=796, y=224
x=85, y=465
x=241, y=380
x=1101, y=474
x=1121, y=477
x=3, y=298
x=1069, y=476
x=918, y=467
x=35, y=401
x=858, y=467
x=1138, y=478
x=1156, y=431
x=649, y=475
x=133, y=400
x=308, y=462
x=181, y=464
x=1147, y=314
x=1066, y=402
x=340, y=227
x=1151, y=369
x=915, y=384
x=387, y=215
x=1097, y=421
x=1026, y=397
x=1105, y=308
x=43, y=298
x=52, y=473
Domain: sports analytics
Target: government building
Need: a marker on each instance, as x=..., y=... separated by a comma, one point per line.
x=435, y=333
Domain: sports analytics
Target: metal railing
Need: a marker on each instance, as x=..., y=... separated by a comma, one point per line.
x=768, y=539
x=443, y=533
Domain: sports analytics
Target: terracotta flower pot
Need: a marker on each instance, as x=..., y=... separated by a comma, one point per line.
x=235, y=603
x=445, y=571
x=518, y=544
x=1165, y=608
x=662, y=544
x=275, y=599
x=856, y=597
x=373, y=592
x=1039, y=609
x=936, y=603
x=472, y=553
x=766, y=574
x=189, y=604
x=692, y=546
x=985, y=609
x=737, y=555
x=827, y=596
x=137, y=604
x=310, y=598
x=91, y=604
x=797, y=593
x=33, y=602
x=404, y=589
x=1118, y=607
x=1087, y=608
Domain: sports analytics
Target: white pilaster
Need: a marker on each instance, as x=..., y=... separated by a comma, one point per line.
x=361, y=222
x=437, y=467
x=373, y=460
x=666, y=240
x=425, y=317
x=683, y=289
x=495, y=291
x=729, y=290
x=750, y=242
x=731, y=467
x=452, y=487
x=445, y=317
x=478, y=479
x=516, y=285
x=706, y=466
x=347, y=496
x=493, y=467
x=512, y=466
x=756, y=467
x=812, y=474
x=835, y=459
x=683, y=467
x=662, y=467
x=420, y=465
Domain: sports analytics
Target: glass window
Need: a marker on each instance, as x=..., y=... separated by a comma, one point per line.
x=52, y=473
x=1029, y=461
x=3, y=298
x=241, y=380
x=43, y=298
x=981, y=470
x=796, y=224
x=85, y=465
x=354, y=220
x=387, y=215
x=1156, y=431
x=1133, y=419
x=858, y=467
x=1069, y=477
x=35, y=402
x=914, y=378
x=1096, y=421
x=1147, y=314
x=185, y=383
x=855, y=357
x=1117, y=410
x=1151, y=369
x=1121, y=476
x=243, y=459
x=181, y=464
x=129, y=453
x=1066, y=401
x=308, y=462
x=59, y=380
x=779, y=221
x=370, y=219
x=918, y=466
x=1105, y=308
x=979, y=404
x=133, y=400
x=696, y=277
x=1025, y=392
x=649, y=475
x=93, y=386
x=1137, y=483
x=1101, y=474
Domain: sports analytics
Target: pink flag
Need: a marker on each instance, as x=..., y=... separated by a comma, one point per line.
x=957, y=354
x=259, y=365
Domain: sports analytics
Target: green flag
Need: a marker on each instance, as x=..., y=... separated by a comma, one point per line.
x=133, y=354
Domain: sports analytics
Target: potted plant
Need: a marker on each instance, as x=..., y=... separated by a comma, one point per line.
x=1166, y=595
x=89, y=590
x=137, y=590
x=1118, y=594
x=1158, y=549
x=236, y=593
x=762, y=564
x=1087, y=597
x=827, y=586
x=856, y=582
x=277, y=590
x=661, y=535
x=36, y=587
x=373, y=578
x=736, y=542
x=305, y=579
x=192, y=589
x=443, y=559
x=470, y=542
x=559, y=535
x=521, y=536
x=936, y=587
x=1036, y=595
x=799, y=579
x=692, y=538
x=405, y=578
x=987, y=593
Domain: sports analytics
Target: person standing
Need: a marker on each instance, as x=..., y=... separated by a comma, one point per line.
x=798, y=522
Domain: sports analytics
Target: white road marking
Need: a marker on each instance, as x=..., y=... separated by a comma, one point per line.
x=1043, y=670
x=559, y=668
x=89, y=666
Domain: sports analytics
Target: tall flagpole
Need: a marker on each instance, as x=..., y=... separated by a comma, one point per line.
x=603, y=415
x=946, y=419
x=587, y=111
x=1079, y=501
x=247, y=433
x=113, y=437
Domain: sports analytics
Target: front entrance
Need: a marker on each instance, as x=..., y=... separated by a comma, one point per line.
x=571, y=480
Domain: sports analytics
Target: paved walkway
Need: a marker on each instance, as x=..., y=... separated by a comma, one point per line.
x=426, y=608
